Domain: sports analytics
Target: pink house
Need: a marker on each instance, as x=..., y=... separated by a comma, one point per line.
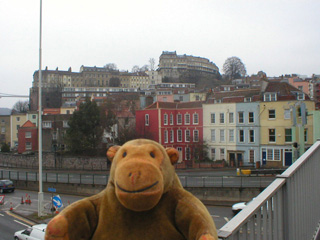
x=300, y=84
x=178, y=125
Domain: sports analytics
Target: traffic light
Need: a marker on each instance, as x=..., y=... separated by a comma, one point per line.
x=295, y=145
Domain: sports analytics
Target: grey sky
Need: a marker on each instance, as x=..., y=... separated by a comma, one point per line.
x=275, y=36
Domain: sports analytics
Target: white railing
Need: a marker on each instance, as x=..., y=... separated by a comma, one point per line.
x=288, y=209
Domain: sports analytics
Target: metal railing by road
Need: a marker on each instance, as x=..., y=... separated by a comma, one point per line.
x=288, y=209
x=186, y=181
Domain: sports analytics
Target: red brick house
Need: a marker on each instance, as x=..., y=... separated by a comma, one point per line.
x=28, y=137
x=172, y=124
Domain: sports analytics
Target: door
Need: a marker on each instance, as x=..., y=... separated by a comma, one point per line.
x=239, y=159
x=287, y=157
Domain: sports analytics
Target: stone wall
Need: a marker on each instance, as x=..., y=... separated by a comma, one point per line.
x=52, y=161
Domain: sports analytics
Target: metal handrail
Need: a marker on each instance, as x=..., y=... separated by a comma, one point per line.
x=286, y=209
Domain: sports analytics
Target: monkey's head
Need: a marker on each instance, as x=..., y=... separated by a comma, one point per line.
x=142, y=170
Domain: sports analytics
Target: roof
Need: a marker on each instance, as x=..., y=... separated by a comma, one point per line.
x=283, y=88
x=28, y=124
x=175, y=105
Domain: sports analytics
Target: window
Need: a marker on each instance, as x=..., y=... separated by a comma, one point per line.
x=47, y=124
x=221, y=117
x=231, y=117
x=222, y=137
x=195, y=118
x=270, y=154
x=300, y=96
x=251, y=156
x=171, y=119
x=213, y=118
x=28, y=146
x=288, y=135
x=34, y=116
x=222, y=153
x=179, y=119
x=179, y=135
x=18, y=119
x=287, y=114
x=187, y=153
x=305, y=134
x=187, y=119
x=171, y=136
x=272, y=135
x=147, y=119
x=213, y=135
x=165, y=119
x=270, y=97
x=65, y=124
x=277, y=154
x=251, y=117
x=251, y=136
x=272, y=114
x=54, y=136
x=18, y=126
x=213, y=154
x=28, y=134
x=241, y=135
x=165, y=136
x=240, y=117
x=231, y=135
x=196, y=135
x=187, y=135
x=3, y=130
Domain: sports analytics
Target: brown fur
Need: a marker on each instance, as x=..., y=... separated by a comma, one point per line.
x=144, y=199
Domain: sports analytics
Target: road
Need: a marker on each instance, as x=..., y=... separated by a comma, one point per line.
x=10, y=223
x=225, y=178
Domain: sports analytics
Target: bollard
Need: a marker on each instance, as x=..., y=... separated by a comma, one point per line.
x=22, y=202
x=11, y=206
x=238, y=172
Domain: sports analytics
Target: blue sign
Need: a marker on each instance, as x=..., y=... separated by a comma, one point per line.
x=51, y=190
x=57, y=202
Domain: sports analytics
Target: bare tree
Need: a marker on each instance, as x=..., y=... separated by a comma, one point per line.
x=111, y=66
x=234, y=68
x=21, y=106
x=144, y=68
x=135, y=69
x=152, y=64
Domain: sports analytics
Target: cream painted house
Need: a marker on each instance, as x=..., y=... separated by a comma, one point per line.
x=219, y=129
x=16, y=121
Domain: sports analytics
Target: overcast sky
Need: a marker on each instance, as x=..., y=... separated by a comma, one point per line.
x=275, y=36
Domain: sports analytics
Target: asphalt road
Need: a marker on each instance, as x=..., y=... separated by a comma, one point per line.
x=10, y=222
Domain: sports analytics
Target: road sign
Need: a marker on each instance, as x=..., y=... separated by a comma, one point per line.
x=1, y=199
x=51, y=190
x=57, y=202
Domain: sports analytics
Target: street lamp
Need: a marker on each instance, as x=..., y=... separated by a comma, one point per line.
x=40, y=193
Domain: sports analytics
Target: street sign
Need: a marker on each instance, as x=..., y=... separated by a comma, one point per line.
x=1, y=199
x=51, y=190
x=57, y=202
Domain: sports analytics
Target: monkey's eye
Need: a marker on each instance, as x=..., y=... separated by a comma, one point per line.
x=124, y=154
x=152, y=155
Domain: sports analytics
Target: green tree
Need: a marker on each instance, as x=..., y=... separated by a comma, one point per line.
x=5, y=147
x=85, y=130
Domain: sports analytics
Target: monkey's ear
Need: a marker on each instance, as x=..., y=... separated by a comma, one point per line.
x=173, y=154
x=112, y=152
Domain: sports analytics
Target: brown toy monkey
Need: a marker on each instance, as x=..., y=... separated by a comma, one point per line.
x=144, y=199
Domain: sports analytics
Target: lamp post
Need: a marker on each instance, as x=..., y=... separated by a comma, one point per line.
x=40, y=193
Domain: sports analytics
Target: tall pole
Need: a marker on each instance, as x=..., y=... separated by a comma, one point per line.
x=40, y=193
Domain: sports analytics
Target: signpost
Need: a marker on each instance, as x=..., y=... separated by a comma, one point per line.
x=57, y=202
x=1, y=199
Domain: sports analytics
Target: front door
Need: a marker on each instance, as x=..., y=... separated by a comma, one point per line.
x=287, y=158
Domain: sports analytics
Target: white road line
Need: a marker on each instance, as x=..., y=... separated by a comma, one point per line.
x=1, y=215
x=21, y=223
x=227, y=219
x=216, y=216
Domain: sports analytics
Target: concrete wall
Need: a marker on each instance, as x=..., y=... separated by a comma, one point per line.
x=216, y=196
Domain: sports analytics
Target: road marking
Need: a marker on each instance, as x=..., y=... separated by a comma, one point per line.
x=1, y=215
x=227, y=219
x=21, y=223
x=20, y=218
x=216, y=216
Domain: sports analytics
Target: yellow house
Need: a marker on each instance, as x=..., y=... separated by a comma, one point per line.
x=198, y=96
x=283, y=132
x=16, y=121
x=67, y=110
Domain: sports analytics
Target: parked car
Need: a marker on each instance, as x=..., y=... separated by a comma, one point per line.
x=236, y=208
x=36, y=232
x=6, y=185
